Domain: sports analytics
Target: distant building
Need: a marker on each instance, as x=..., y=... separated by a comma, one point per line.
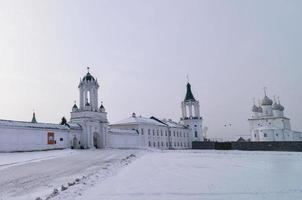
x=268, y=122
x=89, y=127
x=167, y=134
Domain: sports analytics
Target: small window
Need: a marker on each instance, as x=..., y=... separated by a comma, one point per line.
x=195, y=125
x=277, y=135
x=196, y=134
x=149, y=144
x=149, y=131
x=142, y=131
x=255, y=135
x=264, y=134
x=61, y=139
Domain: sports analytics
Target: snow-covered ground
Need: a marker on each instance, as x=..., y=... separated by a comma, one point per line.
x=28, y=175
x=152, y=175
x=195, y=175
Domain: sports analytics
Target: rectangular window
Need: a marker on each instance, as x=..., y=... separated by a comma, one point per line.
x=149, y=131
x=142, y=131
x=264, y=134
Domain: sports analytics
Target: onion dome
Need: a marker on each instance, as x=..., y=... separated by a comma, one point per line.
x=102, y=108
x=189, y=95
x=255, y=108
x=266, y=101
x=281, y=108
x=276, y=106
x=75, y=107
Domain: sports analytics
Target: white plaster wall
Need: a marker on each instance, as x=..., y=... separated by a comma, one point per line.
x=31, y=139
x=122, y=140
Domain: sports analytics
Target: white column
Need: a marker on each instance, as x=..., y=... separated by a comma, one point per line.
x=190, y=110
x=197, y=110
x=185, y=110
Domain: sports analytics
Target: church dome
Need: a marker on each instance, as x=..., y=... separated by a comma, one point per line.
x=102, y=108
x=281, y=108
x=255, y=108
x=266, y=101
x=276, y=106
x=88, y=77
x=260, y=110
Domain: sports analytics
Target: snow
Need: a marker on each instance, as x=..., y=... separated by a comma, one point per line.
x=152, y=175
x=195, y=175
x=14, y=159
x=139, y=120
x=25, y=176
x=11, y=123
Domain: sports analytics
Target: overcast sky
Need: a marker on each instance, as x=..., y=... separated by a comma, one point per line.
x=141, y=52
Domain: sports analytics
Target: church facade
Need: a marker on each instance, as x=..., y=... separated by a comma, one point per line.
x=89, y=128
x=268, y=123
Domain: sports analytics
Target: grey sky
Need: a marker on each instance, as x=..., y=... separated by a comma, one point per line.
x=141, y=51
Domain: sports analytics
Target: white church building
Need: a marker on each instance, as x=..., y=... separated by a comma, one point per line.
x=89, y=128
x=268, y=123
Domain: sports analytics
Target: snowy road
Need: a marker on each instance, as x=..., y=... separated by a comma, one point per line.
x=196, y=175
x=34, y=174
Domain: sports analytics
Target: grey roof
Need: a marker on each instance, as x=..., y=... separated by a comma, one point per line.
x=266, y=101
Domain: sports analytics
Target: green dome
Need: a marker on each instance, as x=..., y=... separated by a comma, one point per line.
x=88, y=77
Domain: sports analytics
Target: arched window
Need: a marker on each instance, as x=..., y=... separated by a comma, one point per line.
x=88, y=97
x=196, y=135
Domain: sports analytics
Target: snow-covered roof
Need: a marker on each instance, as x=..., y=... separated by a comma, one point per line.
x=139, y=120
x=74, y=126
x=122, y=131
x=173, y=124
x=12, y=124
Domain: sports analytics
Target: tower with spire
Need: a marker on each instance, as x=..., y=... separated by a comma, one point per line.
x=88, y=115
x=191, y=115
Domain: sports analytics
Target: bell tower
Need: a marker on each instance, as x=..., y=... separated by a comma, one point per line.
x=89, y=92
x=88, y=115
x=191, y=115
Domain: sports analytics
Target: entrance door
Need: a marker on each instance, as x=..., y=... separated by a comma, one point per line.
x=75, y=142
x=96, y=140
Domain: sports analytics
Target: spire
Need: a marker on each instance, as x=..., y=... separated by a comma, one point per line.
x=34, y=120
x=264, y=89
x=189, y=95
